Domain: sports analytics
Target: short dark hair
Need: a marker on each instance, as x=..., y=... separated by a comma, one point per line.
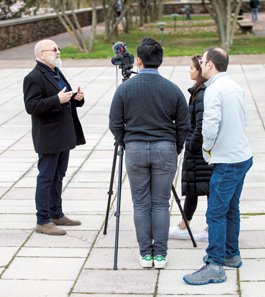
x=219, y=57
x=150, y=52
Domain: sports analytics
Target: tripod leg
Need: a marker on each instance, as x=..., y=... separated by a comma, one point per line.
x=117, y=213
x=183, y=215
x=110, y=192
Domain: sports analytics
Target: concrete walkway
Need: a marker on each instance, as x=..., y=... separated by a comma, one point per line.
x=80, y=263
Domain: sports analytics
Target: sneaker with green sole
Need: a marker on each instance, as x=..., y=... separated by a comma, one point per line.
x=146, y=261
x=229, y=262
x=160, y=262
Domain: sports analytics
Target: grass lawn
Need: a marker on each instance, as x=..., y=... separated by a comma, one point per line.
x=189, y=38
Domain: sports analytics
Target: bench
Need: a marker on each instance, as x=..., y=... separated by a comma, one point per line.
x=245, y=26
x=239, y=17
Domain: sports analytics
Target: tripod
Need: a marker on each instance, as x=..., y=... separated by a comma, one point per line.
x=120, y=153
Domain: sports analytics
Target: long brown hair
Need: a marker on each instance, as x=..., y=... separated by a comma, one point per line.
x=200, y=80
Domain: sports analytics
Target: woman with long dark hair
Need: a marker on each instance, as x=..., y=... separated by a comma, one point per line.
x=196, y=173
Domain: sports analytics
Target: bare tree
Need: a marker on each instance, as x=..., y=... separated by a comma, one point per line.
x=72, y=27
x=221, y=10
x=109, y=11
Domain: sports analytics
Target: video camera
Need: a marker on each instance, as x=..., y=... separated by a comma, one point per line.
x=123, y=59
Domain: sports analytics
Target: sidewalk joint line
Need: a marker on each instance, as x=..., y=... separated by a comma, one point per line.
x=14, y=256
x=250, y=89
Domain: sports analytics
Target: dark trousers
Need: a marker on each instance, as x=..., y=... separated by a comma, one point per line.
x=190, y=206
x=52, y=169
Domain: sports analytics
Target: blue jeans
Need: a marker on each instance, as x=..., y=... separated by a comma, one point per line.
x=254, y=12
x=223, y=216
x=52, y=168
x=151, y=168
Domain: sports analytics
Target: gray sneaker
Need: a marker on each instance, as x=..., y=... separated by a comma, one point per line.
x=210, y=273
x=229, y=262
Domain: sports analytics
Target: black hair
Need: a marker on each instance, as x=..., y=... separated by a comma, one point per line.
x=219, y=57
x=150, y=52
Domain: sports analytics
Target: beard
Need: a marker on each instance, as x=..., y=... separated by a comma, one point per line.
x=54, y=61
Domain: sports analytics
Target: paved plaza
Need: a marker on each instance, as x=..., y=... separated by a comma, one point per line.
x=80, y=264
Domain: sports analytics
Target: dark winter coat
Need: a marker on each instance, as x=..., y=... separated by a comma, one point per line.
x=196, y=173
x=254, y=3
x=55, y=126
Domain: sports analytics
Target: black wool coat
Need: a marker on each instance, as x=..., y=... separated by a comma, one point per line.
x=55, y=126
x=196, y=173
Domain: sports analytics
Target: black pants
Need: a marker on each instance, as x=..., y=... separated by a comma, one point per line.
x=52, y=168
x=190, y=206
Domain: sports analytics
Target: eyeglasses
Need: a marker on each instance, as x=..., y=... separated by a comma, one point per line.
x=55, y=49
x=202, y=61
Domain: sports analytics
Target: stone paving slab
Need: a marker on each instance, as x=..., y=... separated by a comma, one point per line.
x=253, y=270
x=252, y=239
x=11, y=238
x=200, y=295
x=115, y=282
x=34, y=268
x=108, y=295
x=6, y=254
x=73, y=239
x=250, y=289
x=94, y=193
x=53, y=252
x=126, y=239
x=253, y=253
x=36, y=288
x=252, y=206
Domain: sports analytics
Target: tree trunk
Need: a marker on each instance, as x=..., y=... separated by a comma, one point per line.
x=81, y=36
x=145, y=10
x=108, y=12
x=93, y=26
x=233, y=29
x=140, y=5
x=128, y=20
x=227, y=41
x=160, y=8
x=221, y=10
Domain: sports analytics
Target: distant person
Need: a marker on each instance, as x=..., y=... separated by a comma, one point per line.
x=226, y=147
x=149, y=117
x=118, y=8
x=188, y=17
x=196, y=173
x=56, y=130
x=254, y=4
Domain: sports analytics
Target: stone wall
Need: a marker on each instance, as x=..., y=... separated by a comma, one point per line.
x=24, y=30
x=196, y=7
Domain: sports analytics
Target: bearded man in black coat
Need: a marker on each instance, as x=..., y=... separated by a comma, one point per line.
x=56, y=130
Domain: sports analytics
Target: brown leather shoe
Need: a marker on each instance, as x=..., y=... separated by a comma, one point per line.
x=64, y=221
x=49, y=229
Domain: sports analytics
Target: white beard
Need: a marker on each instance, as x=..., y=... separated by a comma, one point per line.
x=56, y=62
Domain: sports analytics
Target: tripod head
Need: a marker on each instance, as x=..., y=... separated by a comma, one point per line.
x=126, y=72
